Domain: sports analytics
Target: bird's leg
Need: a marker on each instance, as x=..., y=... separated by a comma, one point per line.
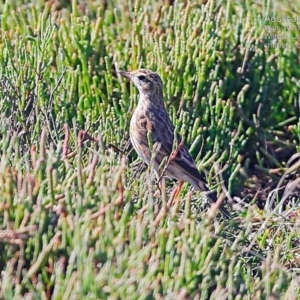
x=179, y=187
x=166, y=207
x=141, y=168
x=172, y=156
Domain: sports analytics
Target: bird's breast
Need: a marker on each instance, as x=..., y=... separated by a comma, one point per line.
x=140, y=124
x=139, y=127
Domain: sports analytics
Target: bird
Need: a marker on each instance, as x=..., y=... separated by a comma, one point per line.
x=151, y=119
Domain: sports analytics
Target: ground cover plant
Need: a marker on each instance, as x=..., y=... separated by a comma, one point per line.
x=80, y=216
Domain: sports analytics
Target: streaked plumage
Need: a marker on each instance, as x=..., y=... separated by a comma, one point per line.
x=151, y=115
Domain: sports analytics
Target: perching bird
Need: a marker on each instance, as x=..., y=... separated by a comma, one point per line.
x=152, y=116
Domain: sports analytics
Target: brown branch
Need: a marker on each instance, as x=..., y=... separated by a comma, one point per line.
x=16, y=236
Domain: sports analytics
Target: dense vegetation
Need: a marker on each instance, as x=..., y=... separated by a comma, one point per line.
x=79, y=217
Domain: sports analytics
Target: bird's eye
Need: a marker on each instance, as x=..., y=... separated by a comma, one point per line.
x=142, y=77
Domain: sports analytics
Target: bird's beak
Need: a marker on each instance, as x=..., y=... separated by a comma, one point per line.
x=125, y=74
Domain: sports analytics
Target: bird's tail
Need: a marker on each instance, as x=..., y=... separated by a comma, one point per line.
x=212, y=196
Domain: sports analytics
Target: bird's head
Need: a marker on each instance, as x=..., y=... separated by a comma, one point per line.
x=148, y=82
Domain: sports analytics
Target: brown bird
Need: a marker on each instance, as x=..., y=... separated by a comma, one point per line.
x=151, y=116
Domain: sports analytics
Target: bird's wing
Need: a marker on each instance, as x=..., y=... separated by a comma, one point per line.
x=163, y=135
x=182, y=161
